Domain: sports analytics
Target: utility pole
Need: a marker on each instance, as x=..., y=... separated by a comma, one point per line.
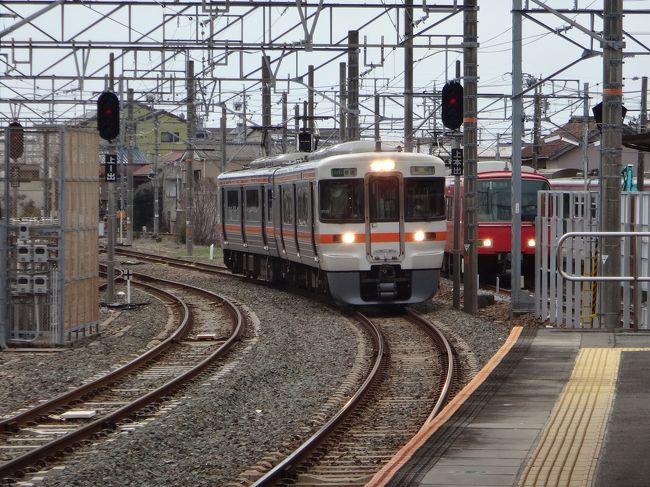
x=456, y=249
x=353, y=85
x=408, y=75
x=643, y=121
x=310, y=100
x=285, y=121
x=521, y=302
x=129, y=167
x=537, y=122
x=377, y=119
x=343, y=100
x=585, y=133
x=189, y=173
x=470, y=77
x=266, y=104
x=611, y=147
x=224, y=139
x=296, y=123
x=156, y=150
x=110, y=251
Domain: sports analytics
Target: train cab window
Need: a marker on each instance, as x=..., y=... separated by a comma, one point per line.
x=529, y=191
x=341, y=200
x=450, y=208
x=252, y=205
x=384, y=199
x=425, y=199
x=287, y=205
x=232, y=205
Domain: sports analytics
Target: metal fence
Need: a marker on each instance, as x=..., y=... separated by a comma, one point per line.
x=568, y=279
x=48, y=206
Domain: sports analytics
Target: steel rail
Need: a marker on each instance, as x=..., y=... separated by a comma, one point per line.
x=110, y=420
x=450, y=373
x=310, y=444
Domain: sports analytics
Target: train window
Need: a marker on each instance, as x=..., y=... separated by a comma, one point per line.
x=269, y=204
x=232, y=205
x=529, y=191
x=425, y=199
x=341, y=200
x=252, y=199
x=302, y=204
x=384, y=199
x=450, y=208
x=287, y=205
x=495, y=199
x=252, y=205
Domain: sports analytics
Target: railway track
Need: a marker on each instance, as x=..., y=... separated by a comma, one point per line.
x=30, y=437
x=410, y=381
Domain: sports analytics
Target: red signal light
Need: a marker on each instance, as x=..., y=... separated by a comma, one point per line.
x=452, y=101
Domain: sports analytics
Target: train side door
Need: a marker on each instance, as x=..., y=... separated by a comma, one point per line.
x=384, y=217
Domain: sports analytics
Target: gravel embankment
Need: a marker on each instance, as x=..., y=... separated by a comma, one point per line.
x=298, y=357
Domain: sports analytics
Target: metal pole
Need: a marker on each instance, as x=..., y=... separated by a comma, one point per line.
x=343, y=97
x=456, y=250
x=643, y=121
x=189, y=173
x=408, y=75
x=266, y=104
x=470, y=76
x=377, y=119
x=285, y=121
x=537, y=121
x=521, y=302
x=353, y=85
x=224, y=140
x=5, y=217
x=156, y=209
x=585, y=134
x=611, y=145
x=310, y=100
x=110, y=244
x=129, y=167
x=296, y=122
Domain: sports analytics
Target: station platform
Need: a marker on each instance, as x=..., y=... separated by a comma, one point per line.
x=552, y=408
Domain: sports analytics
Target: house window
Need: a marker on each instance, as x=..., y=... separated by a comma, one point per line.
x=170, y=137
x=197, y=175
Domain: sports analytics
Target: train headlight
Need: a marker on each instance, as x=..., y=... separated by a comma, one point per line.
x=487, y=242
x=531, y=242
x=419, y=236
x=348, y=238
x=382, y=165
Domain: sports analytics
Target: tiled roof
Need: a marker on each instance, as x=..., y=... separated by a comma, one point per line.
x=556, y=143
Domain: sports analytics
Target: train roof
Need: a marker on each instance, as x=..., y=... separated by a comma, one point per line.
x=346, y=152
x=494, y=166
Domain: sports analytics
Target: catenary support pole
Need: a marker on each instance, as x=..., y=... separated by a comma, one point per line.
x=189, y=173
x=611, y=151
x=643, y=122
x=470, y=78
x=130, y=132
x=408, y=75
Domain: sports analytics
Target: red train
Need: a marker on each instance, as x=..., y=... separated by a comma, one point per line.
x=494, y=215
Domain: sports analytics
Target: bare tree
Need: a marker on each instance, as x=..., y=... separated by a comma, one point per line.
x=204, y=212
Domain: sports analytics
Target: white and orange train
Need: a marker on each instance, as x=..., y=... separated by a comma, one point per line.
x=366, y=226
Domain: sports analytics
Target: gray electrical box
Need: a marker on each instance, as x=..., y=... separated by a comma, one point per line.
x=23, y=283
x=40, y=253
x=40, y=284
x=24, y=253
x=23, y=232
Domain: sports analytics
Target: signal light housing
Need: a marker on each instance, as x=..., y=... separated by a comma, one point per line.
x=16, y=140
x=108, y=115
x=452, y=105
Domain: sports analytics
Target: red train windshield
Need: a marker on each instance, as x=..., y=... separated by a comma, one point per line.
x=495, y=199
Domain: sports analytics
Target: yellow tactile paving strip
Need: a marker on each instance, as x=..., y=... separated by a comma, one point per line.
x=568, y=449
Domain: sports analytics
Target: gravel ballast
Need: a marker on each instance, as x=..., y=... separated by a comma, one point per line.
x=295, y=357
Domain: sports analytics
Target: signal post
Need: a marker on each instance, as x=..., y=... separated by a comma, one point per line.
x=108, y=126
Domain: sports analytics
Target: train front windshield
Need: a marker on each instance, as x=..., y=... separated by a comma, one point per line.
x=495, y=199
